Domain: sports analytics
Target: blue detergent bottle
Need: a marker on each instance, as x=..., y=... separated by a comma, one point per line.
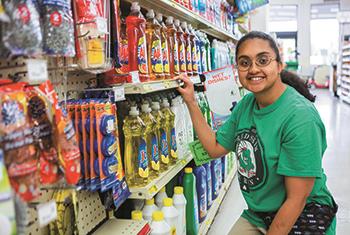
x=215, y=177
x=201, y=186
x=209, y=185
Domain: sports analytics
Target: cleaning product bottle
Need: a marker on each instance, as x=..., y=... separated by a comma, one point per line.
x=201, y=186
x=171, y=215
x=179, y=124
x=136, y=215
x=207, y=50
x=158, y=225
x=170, y=130
x=162, y=136
x=148, y=210
x=165, y=47
x=189, y=124
x=180, y=204
x=188, y=48
x=215, y=172
x=182, y=47
x=154, y=47
x=192, y=222
x=135, y=27
x=202, y=52
x=214, y=54
x=123, y=49
x=160, y=197
x=152, y=140
x=174, y=64
x=209, y=185
x=135, y=151
x=223, y=169
x=194, y=53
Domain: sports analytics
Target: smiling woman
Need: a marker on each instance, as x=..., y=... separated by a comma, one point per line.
x=279, y=140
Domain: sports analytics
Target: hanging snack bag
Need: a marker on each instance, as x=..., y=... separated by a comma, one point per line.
x=17, y=142
x=58, y=28
x=22, y=34
x=68, y=149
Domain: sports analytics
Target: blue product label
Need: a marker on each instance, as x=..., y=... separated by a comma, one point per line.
x=164, y=147
x=199, y=59
x=196, y=220
x=203, y=204
x=142, y=159
x=155, y=154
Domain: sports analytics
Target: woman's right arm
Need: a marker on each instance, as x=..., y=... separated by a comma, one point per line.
x=205, y=134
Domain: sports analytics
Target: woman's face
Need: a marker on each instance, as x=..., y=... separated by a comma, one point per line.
x=257, y=78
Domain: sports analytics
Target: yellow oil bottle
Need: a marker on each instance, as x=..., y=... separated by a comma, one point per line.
x=170, y=130
x=152, y=140
x=163, y=142
x=135, y=151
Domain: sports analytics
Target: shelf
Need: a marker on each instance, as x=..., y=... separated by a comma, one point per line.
x=205, y=225
x=123, y=226
x=345, y=54
x=172, y=8
x=346, y=73
x=151, y=189
x=346, y=66
x=345, y=86
x=346, y=60
x=346, y=47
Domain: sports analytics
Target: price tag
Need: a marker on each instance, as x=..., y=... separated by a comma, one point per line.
x=167, y=84
x=101, y=24
x=147, y=88
x=47, y=212
x=119, y=93
x=37, y=71
x=135, y=78
x=196, y=79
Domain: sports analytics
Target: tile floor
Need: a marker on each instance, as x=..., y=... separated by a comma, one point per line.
x=336, y=163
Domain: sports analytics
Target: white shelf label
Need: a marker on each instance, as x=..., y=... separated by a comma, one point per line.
x=135, y=78
x=195, y=79
x=101, y=24
x=47, y=212
x=119, y=93
x=37, y=71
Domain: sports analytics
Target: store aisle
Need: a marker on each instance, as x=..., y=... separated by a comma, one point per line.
x=336, y=117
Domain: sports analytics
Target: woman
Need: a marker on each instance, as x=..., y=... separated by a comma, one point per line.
x=279, y=140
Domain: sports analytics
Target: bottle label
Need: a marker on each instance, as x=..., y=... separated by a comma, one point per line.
x=156, y=57
x=204, y=60
x=182, y=58
x=141, y=55
x=209, y=191
x=165, y=57
x=199, y=58
x=203, y=203
x=123, y=56
x=194, y=59
x=173, y=144
x=142, y=159
x=164, y=147
x=155, y=154
x=176, y=58
x=189, y=57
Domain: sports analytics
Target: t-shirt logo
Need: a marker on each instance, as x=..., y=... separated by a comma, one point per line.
x=252, y=170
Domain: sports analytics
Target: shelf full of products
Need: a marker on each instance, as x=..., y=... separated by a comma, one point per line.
x=345, y=73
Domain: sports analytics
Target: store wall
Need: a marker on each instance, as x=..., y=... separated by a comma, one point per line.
x=304, y=39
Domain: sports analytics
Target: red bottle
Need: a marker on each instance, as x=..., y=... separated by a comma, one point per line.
x=136, y=27
x=188, y=48
x=174, y=63
x=165, y=46
x=195, y=52
x=182, y=47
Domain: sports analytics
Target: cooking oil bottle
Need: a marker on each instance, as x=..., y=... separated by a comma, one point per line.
x=170, y=130
x=135, y=151
x=151, y=134
x=154, y=47
x=163, y=142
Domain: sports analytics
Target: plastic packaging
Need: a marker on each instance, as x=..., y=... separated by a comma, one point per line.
x=160, y=197
x=181, y=47
x=201, y=186
x=209, y=185
x=180, y=204
x=188, y=48
x=195, y=54
x=174, y=63
x=216, y=177
x=179, y=124
x=22, y=34
x=190, y=192
x=170, y=130
x=171, y=215
x=158, y=225
x=148, y=210
x=58, y=28
x=165, y=46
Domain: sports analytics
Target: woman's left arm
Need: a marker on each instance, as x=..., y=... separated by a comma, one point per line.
x=298, y=189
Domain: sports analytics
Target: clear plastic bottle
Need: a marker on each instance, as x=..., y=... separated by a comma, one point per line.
x=154, y=47
x=188, y=48
x=152, y=140
x=148, y=210
x=171, y=215
x=179, y=201
x=182, y=47
x=170, y=130
x=174, y=63
x=158, y=225
x=163, y=142
x=165, y=46
x=135, y=151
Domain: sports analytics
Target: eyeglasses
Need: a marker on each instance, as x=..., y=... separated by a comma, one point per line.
x=244, y=63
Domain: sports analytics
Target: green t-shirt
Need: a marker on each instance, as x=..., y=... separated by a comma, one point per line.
x=286, y=138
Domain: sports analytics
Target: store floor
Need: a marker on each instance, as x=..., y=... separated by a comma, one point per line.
x=336, y=163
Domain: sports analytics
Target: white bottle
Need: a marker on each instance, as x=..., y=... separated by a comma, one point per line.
x=180, y=202
x=159, y=198
x=179, y=127
x=189, y=125
x=171, y=215
x=148, y=210
x=158, y=225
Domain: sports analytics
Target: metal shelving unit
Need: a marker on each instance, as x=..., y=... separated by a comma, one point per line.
x=345, y=73
x=151, y=189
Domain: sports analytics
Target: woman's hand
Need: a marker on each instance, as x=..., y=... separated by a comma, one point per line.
x=187, y=90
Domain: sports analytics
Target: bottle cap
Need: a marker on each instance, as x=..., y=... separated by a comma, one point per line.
x=157, y=216
x=150, y=14
x=150, y=202
x=155, y=106
x=184, y=25
x=136, y=215
x=145, y=108
x=135, y=6
x=167, y=201
x=178, y=190
x=133, y=111
x=159, y=17
x=165, y=103
x=169, y=20
x=188, y=170
x=162, y=190
x=190, y=27
x=177, y=23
